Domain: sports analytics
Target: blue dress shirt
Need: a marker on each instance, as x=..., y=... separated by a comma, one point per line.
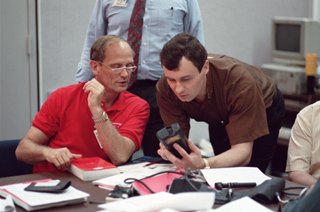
x=162, y=20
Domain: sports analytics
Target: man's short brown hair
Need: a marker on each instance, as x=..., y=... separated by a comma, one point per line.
x=183, y=45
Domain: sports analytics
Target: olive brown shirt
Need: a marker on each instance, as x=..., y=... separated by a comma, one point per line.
x=237, y=97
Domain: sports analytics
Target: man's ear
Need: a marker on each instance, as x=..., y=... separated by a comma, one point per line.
x=206, y=67
x=94, y=67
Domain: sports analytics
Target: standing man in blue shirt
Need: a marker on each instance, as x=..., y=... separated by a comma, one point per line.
x=161, y=21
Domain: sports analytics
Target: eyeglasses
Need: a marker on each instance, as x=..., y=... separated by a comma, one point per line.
x=119, y=70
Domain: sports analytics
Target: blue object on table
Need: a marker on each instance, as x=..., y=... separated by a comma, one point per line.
x=147, y=159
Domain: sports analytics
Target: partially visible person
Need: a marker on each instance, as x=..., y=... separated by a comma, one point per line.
x=242, y=106
x=308, y=203
x=303, y=162
x=97, y=118
x=161, y=21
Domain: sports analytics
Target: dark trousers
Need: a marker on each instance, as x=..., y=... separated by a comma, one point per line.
x=263, y=147
x=146, y=89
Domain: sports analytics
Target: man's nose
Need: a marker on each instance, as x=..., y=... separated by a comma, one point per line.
x=124, y=73
x=179, y=88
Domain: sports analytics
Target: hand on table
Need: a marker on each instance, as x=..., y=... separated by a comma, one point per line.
x=61, y=157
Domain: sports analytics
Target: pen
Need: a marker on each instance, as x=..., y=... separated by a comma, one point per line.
x=219, y=186
x=158, y=161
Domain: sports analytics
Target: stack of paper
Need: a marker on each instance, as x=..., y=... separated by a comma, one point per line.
x=189, y=201
x=7, y=205
x=31, y=200
x=244, y=204
x=234, y=175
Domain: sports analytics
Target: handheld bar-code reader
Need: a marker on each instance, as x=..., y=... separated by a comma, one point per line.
x=171, y=135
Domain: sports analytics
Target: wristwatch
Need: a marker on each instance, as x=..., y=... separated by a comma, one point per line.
x=102, y=118
x=207, y=166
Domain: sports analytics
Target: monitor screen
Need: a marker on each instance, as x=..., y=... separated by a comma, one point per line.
x=293, y=38
x=288, y=37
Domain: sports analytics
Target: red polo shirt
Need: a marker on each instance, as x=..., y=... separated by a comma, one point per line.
x=66, y=119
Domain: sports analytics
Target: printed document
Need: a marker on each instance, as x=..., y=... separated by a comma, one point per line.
x=234, y=175
x=187, y=201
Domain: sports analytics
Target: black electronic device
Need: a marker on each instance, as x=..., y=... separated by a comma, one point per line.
x=47, y=187
x=171, y=135
x=220, y=186
x=119, y=193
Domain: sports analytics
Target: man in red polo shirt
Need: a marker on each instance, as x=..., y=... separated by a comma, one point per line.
x=97, y=118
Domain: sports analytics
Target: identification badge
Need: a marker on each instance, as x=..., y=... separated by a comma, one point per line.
x=97, y=137
x=119, y=3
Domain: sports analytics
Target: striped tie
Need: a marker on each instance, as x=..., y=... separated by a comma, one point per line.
x=135, y=33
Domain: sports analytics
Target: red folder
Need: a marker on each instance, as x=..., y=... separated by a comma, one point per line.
x=157, y=183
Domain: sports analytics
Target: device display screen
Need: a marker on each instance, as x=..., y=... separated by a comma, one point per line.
x=173, y=134
x=173, y=139
x=288, y=37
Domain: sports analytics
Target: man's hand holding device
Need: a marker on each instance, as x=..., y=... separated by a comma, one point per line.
x=175, y=147
x=170, y=135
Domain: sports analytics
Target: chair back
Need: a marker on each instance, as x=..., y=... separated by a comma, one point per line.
x=9, y=165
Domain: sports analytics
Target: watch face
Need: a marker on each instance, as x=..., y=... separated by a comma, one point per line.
x=105, y=115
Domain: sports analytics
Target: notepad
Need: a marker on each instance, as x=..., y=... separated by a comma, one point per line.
x=31, y=200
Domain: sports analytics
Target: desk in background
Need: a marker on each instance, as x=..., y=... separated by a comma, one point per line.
x=97, y=195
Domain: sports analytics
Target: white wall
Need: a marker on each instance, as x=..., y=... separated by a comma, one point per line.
x=242, y=29
x=62, y=29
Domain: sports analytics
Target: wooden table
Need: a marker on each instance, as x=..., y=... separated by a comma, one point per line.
x=97, y=195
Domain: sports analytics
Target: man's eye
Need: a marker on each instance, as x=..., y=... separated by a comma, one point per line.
x=185, y=79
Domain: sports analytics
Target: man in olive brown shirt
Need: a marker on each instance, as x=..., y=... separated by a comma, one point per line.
x=242, y=106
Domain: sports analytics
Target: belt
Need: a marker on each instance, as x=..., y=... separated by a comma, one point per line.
x=145, y=82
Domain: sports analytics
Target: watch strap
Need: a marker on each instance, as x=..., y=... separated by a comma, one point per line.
x=207, y=166
x=102, y=118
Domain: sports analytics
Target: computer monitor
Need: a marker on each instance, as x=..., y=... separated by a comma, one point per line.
x=293, y=38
